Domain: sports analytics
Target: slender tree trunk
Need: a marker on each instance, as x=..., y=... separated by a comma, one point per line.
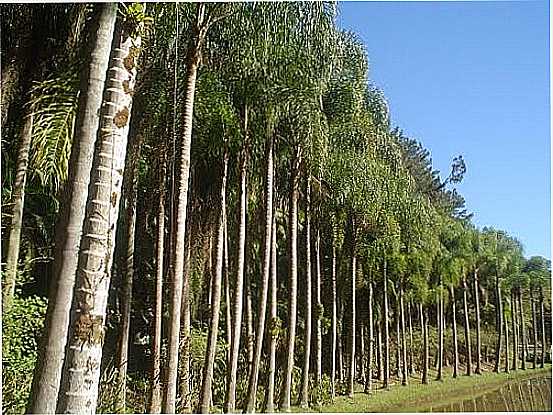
x=177, y=259
x=266, y=264
x=353, y=311
x=380, y=365
x=334, y=318
x=304, y=388
x=14, y=241
x=534, y=328
x=369, y=374
x=454, y=332
x=411, y=369
x=81, y=371
x=404, y=378
x=226, y=282
x=386, y=332
x=478, y=337
x=340, y=349
x=130, y=187
x=424, y=327
x=398, y=336
x=230, y=399
x=522, y=328
x=468, y=345
x=207, y=376
x=249, y=323
x=361, y=355
x=542, y=314
x=514, y=314
x=440, y=331
x=293, y=282
x=319, y=312
x=506, y=323
x=185, y=343
x=273, y=326
x=155, y=389
x=499, y=324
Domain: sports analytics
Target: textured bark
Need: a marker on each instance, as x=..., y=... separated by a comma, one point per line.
x=68, y=231
x=249, y=323
x=353, y=311
x=318, y=314
x=226, y=283
x=478, y=338
x=380, y=365
x=81, y=371
x=522, y=328
x=207, y=375
x=273, y=326
x=454, y=332
x=293, y=282
x=230, y=398
x=304, y=388
x=130, y=187
x=411, y=369
x=14, y=239
x=468, y=344
x=542, y=319
x=404, y=378
x=499, y=324
x=506, y=328
x=369, y=371
x=514, y=325
x=424, y=327
x=386, y=331
x=361, y=364
x=177, y=254
x=154, y=405
x=266, y=270
x=398, y=337
x=185, y=352
x=534, y=329
x=334, y=319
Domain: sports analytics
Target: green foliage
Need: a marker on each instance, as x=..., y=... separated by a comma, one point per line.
x=22, y=325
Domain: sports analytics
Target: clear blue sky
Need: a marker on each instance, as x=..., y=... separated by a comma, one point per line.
x=471, y=78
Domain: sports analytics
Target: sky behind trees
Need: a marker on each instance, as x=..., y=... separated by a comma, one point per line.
x=471, y=78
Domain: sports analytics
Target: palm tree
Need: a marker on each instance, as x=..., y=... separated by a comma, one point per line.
x=79, y=386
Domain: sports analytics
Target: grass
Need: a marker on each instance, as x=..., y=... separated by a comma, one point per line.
x=417, y=397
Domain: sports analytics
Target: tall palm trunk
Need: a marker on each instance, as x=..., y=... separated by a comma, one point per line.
x=506, y=328
x=478, y=337
x=207, y=373
x=386, y=331
x=499, y=323
x=130, y=186
x=230, y=398
x=379, y=363
x=514, y=325
x=249, y=323
x=334, y=318
x=14, y=241
x=398, y=335
x=183, y=168
x=340, y=352
x=368, y=374
x=454, y=332
x=404, y=379
x=522, y=328
x=81, y=371
x=185, y=344
x=266, y=264
x=353, y=311
x=319, y=312
x=542, y=314
x=424, y=328
x=304, y=388
x=411, y=369
x=468, y=345
x=293, y=281
x=154, y=406
x=226, y=283
x=273, y=326
x=534, y=329
x=440, y=332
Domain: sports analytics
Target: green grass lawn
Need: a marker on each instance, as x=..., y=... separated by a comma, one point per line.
x=417, y=397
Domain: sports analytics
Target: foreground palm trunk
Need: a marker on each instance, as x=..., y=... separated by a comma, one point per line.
x=155, y=388
x=14, y=241
x=468, y=345
x=499, y=323
x=130, y=185
x=177, y=258
x=542, y=313
x=230, y=399
x=304, y=388
x=334, y=318
x=514, y=313
x=506, y=328
x=293, y=282
x=454, y=332
x=386, y=332
x=48, y=370
x=368, y=378
x=207, y=376
x=273, y=327
x=440, y=331
x=411, y=369
x=534, y=329
x=266, y=267
x=424, y=328
x=81, y=371
x=353, y=329
x=478, y=337
x=404, y=378
x=319, y=312
x=522, y=328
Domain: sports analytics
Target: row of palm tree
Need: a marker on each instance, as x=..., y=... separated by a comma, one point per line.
x=216, y=181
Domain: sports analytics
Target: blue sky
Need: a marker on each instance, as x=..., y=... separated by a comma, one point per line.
x=471, y=78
